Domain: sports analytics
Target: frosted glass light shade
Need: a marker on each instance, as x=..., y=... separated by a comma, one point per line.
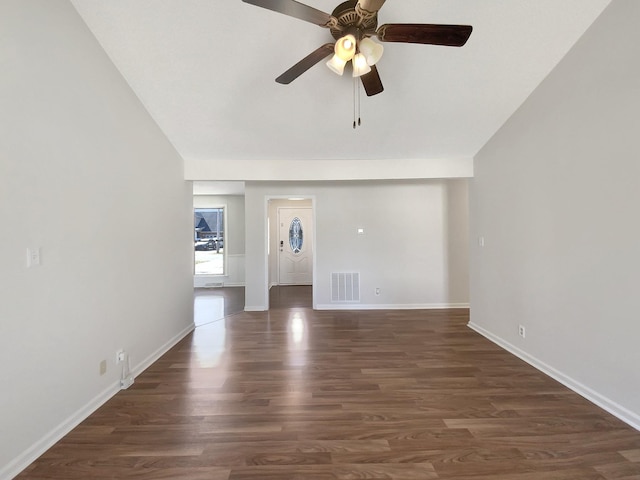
x=336, y=64
x=360, y=66
x=345, y=47
x=371, y=50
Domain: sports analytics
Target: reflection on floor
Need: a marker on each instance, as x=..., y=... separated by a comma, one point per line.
x=213, y=304
x=214, y=310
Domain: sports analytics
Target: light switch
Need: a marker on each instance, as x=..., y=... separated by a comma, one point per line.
x=33, y=257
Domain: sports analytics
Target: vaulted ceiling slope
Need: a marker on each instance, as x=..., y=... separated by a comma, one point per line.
x=205, y=71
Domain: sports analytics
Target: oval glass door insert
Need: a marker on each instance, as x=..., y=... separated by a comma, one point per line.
x=295, y=235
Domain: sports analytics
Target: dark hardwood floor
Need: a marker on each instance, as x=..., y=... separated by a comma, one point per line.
x=213, y=304
x=295, y=394
x=292, y=296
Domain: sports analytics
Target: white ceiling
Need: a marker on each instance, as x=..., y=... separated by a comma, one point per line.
x=205, y=71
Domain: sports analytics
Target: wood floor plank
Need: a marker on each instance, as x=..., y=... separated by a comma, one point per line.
x=416, y=471
x=299, y=394
x=619, y=471
x=97, y=471
x=631, y=455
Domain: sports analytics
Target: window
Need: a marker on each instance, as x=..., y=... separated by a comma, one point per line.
x=208, y=235
x=295, y=235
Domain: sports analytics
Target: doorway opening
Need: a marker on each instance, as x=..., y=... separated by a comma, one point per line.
x=290, y=245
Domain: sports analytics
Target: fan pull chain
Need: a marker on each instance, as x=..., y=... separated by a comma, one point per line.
x=356, y=102
x=358, y=83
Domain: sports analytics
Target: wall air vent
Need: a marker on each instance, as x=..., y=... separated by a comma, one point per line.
x=345, y=287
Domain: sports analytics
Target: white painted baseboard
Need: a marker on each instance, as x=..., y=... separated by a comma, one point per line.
x=255, y=308
x=603, y=402
x=147, y=362
x=394, y=306
x=40, y=447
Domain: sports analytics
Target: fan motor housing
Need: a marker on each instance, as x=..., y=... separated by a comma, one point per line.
x=350, y=22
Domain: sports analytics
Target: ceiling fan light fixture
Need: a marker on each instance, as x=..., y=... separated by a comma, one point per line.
x=352, y=24
x=346, y=47
x=371, y=50
x=360, y=66
x=336, y=65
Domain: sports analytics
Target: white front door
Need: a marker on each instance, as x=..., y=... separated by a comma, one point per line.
x=295, y=248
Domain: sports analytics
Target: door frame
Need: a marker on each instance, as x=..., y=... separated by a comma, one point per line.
x=292, y=197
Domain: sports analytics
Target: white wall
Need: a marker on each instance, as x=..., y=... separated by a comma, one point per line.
x=88, y=177
x=556, y=195
x=233, y=239
x=407, y=249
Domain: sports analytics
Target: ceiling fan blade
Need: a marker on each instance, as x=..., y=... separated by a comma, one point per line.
x=305, y=64
x=371, y=82
x=294, y=9
x=447, y=35
x=368, y=8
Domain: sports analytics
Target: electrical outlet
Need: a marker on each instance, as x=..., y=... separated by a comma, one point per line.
x=120, y=356
x=521, y=331
x=377, y=290
x=103, y=367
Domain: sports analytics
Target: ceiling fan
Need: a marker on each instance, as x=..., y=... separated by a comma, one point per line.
x=352, y=24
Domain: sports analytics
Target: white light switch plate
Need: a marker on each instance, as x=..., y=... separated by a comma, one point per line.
x=33, y=257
